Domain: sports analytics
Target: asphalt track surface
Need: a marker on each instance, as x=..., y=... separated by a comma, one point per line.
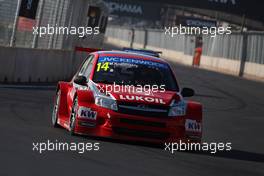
x=233, y=112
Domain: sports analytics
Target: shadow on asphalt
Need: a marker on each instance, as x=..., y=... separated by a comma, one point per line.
x=31, y=87
x=238, y=155
x=233, y=154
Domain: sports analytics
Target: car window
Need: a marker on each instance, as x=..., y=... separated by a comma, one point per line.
x=87, y=67
x=134, y=71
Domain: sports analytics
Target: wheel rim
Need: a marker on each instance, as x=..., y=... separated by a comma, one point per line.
x=73, y=116
x=55, y=109
x=72, y=121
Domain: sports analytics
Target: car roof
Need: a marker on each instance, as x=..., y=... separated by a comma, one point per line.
x=130, y=55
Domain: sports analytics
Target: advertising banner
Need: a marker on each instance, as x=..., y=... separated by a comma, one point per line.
x=250, y=8
x=135, y=8
x=28, y=8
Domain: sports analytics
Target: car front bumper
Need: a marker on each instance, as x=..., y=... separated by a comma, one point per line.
x=111, y=124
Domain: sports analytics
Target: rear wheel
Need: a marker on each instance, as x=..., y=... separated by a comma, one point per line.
x=55, y=112
x=73, y=116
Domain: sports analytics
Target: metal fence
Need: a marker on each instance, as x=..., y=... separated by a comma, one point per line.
x=7, y=16
x=49, y=12
x=255, y=48
x=235, y=46
x=64, y=13
x=225, y=46
x=119, y=33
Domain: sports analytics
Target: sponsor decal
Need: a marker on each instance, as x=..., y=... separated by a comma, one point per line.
x=87, y=113
x=193, y=126
x=131, y=61
x=180, y=108
x=142, y=99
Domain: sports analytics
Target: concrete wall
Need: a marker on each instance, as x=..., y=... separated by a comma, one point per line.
x=36, y=65
x=252, y=69
x=207, y=62
x=220, y=64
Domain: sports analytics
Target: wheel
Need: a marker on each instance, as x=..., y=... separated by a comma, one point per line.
x=73, y=115
x=55, y=111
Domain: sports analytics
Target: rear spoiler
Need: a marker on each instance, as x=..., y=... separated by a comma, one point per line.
x=87, y=50
x=143, y=51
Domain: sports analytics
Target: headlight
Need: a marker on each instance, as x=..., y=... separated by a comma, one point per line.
x=177, y=109
x=106, y=102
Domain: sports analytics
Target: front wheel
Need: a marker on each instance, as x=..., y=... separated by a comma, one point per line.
x=55, y=112
x=73, y=117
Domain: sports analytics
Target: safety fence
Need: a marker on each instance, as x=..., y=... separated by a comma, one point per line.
x=234, y=52
x=61, y=13
x=49, y=12
x=26, y=57
x=224, y=46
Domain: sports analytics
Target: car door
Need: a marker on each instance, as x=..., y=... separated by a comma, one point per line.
x=84, y=70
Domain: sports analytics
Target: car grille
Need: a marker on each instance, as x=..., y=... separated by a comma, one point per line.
x=143, y=123
x=143, y=134
x=143, y=110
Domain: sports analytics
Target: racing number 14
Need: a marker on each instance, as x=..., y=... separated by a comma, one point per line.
x=104, y=66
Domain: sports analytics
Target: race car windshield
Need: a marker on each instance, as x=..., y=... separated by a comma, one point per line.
x=131, y=71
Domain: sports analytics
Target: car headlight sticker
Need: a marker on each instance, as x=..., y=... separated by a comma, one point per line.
x=177, y=108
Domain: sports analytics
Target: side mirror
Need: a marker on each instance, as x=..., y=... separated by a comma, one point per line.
x=187, y=92
x=81, y=80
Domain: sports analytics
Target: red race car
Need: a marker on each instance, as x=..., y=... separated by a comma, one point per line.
x=127, y=96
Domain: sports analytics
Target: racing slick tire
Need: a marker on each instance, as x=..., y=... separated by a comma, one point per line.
x=54, y=118
x=73, y=116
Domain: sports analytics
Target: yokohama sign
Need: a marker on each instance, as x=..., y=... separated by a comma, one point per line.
x=134, y=8
x=126, y=8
